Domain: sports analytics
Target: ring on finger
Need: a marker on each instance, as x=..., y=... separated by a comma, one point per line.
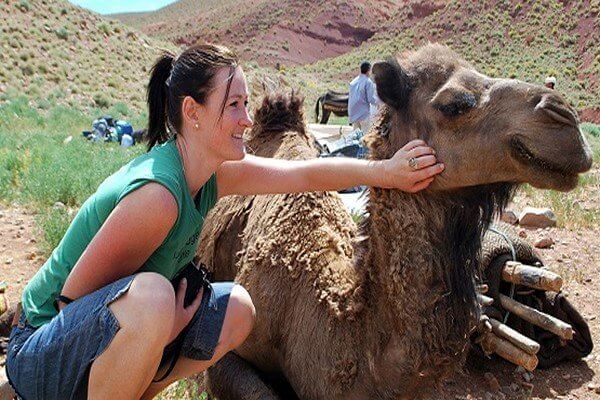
x=412, y=162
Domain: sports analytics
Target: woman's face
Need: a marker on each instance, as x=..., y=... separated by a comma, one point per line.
x=225, y=131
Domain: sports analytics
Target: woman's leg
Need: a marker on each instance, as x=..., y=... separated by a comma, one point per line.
x=238, y=322
x=145, y=315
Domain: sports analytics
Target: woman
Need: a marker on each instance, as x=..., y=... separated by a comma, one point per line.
x=99, y=313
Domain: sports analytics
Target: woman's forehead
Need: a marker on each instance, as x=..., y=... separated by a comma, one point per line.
x=238, y=81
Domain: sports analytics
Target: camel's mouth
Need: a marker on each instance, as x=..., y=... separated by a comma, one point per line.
x=561, y=177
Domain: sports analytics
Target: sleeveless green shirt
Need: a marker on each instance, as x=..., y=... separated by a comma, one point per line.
x=163, y=165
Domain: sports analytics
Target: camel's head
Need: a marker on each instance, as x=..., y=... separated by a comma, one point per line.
x=485, y=130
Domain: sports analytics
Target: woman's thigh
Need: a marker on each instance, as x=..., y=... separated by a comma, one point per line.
x=53, y=361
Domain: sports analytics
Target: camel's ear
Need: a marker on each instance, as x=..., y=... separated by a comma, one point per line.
x=393, y=84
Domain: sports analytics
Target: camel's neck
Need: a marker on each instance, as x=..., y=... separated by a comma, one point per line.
x=423, y=250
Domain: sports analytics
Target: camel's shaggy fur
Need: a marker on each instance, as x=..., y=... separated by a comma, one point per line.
x=375, y=312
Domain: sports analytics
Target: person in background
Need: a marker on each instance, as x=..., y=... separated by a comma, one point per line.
x=550, y=82
x=362, y=95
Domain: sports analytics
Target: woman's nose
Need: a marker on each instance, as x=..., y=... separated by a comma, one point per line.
x=246, y=120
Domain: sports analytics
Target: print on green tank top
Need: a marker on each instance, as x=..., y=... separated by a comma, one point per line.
x=163, y=165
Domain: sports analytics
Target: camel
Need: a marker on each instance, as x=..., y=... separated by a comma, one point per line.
x=331, y=102
x=385, y=309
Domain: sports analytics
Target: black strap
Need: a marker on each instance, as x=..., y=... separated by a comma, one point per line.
x=173, y=349
x=62, y=299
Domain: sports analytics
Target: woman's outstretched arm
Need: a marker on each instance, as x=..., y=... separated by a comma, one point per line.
x=258, y=175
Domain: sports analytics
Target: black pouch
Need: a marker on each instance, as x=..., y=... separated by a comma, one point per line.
x=197, y=277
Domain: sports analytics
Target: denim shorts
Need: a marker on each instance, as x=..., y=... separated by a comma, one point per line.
x=54, y=360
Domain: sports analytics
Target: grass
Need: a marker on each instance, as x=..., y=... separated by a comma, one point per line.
x=185, y=389
x=37, y=169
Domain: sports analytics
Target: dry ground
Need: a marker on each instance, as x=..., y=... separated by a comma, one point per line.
x=575, y=256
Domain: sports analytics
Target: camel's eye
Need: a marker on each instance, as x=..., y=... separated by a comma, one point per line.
x=460, y=104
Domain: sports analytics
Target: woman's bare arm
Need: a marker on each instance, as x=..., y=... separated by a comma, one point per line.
x=130, y=234
x=258, y=175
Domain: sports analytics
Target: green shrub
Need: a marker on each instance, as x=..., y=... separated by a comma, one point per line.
x=101, y=100
x=27, y=69
x=104, y=28
x=24, y=5
x=62, y=33
x=53, y=223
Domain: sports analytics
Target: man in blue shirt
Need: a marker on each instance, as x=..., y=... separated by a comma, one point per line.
x=362, y=95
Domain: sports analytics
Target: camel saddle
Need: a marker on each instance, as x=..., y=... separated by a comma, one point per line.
x=496, y=251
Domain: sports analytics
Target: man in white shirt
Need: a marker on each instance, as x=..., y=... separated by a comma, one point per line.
x=362, y=95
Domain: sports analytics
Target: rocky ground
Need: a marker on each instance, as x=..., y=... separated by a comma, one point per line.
x=574, y=255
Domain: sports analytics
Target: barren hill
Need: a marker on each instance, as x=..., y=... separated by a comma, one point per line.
x=287, y=32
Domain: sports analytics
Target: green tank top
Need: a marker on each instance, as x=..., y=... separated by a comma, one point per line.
x=163, y=165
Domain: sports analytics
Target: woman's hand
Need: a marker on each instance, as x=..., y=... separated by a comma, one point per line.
x=184, y=315
x=412, y=168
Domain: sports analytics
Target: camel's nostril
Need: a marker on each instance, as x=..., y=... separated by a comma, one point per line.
x=557, y=110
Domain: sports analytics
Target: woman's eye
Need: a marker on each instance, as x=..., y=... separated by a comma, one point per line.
x=234, y=104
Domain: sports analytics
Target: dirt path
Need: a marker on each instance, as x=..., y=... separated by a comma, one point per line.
x=574, y=256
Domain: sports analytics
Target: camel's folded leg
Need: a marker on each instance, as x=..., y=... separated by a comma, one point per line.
x=232, y=378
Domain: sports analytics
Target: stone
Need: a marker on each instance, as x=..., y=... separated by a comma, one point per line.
x=537, y=217
x=492, y=381
x=594, y=387
x=522, y=234
x=59, y=206
x=544, y=242
x=510, y=217
x=519, y=370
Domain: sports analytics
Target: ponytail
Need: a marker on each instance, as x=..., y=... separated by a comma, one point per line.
x=158, y=94
x=172, y=80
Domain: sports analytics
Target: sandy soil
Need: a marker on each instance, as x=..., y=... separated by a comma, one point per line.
x=574, y=255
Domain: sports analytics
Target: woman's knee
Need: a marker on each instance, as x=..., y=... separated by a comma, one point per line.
x=149, y=301
x=239, y=318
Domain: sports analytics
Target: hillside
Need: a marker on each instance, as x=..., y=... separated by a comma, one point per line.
x=169, y=14
x=55, y=51
x=283, y=33
x=524, y=40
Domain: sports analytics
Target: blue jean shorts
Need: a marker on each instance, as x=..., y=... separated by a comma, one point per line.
x=54, y=360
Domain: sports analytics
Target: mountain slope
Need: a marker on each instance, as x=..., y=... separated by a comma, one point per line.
x=55, y=51
x=287, y=32
x=503, y=38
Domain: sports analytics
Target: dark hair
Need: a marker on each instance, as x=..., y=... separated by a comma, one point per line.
x=172, y=79
x=365, y=67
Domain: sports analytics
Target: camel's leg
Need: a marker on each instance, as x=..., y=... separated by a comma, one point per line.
x=233, y=378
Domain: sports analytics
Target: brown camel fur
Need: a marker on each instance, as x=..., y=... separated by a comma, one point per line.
x=381, y=311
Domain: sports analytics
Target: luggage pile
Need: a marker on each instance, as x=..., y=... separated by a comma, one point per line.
x=107, y=129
